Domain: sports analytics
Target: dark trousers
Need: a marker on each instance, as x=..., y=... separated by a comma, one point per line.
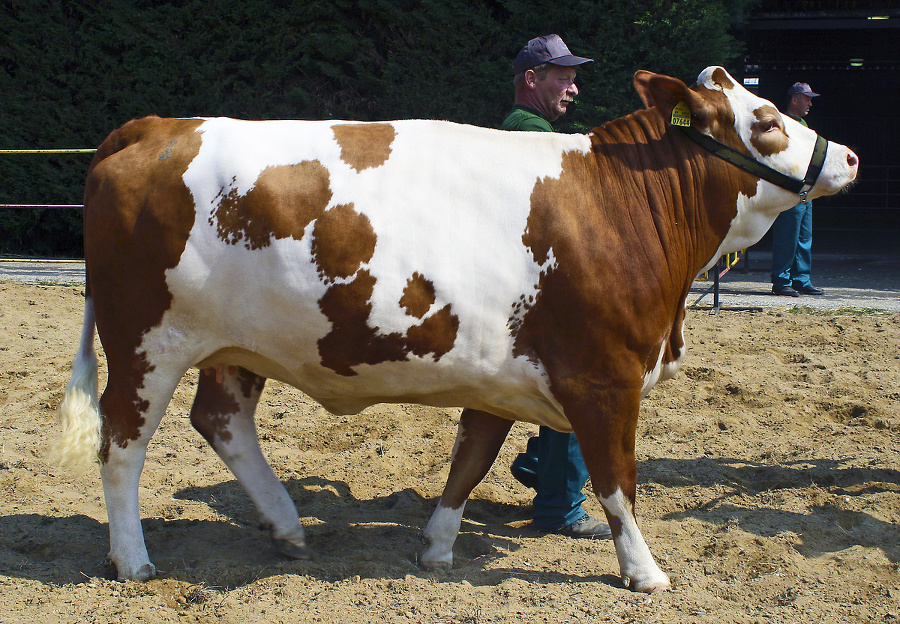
x=792, y=247
x=555, y=458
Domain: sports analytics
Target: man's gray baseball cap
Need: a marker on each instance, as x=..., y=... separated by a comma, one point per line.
x=546, y=49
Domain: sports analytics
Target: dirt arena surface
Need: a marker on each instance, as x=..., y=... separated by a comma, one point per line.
x=769, y=490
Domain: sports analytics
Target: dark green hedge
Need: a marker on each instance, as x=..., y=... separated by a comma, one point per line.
x=72, y=71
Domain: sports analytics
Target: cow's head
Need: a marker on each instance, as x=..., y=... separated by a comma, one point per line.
x=721, y=108
x=717, y=106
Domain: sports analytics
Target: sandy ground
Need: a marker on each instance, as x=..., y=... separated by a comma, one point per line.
x=769, y=489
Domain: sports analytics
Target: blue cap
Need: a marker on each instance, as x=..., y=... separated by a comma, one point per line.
x=801, y=88
x=546, y=49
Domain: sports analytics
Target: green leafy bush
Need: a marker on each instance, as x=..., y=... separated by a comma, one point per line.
x=73, y=71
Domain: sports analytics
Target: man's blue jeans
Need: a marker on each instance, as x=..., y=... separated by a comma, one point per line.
x=792, y=247
x=556, y=460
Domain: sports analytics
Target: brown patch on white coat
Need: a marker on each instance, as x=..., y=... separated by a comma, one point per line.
x=282, y=203
x=364, y=146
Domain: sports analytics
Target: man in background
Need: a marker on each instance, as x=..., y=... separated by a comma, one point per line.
x=792, y=230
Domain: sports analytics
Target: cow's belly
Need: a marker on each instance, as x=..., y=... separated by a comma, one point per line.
x=513, y=390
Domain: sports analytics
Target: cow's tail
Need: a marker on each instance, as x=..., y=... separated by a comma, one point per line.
x=78, y=444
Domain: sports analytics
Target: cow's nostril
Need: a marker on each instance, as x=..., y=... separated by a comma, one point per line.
x=852, y=159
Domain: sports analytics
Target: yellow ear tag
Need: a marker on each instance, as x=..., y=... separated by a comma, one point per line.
x=681, y=115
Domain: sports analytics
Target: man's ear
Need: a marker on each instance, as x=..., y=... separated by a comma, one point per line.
x=530, y=78
x=665, y=93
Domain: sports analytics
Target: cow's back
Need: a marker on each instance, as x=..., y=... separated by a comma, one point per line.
x=359, y=262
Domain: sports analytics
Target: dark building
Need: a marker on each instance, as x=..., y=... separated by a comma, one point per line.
x=849, y=52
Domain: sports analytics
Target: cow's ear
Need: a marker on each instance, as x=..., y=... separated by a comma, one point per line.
x=665, y=93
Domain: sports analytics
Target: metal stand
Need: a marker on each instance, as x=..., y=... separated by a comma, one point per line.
x=718, y=272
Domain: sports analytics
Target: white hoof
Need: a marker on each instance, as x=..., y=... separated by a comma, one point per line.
x=433, y=564
x=291, y=543
x=650, y=585
x=143, y=573
x=435, y=556
x=291, y=549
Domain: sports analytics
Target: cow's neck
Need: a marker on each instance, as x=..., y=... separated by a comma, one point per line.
x=691, y=196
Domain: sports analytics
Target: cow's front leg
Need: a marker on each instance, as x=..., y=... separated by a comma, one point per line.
x=605, y=422
x=478, y=440
x=223, y=413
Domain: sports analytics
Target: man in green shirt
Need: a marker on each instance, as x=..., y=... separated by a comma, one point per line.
x=552, y=463
x=544, y=84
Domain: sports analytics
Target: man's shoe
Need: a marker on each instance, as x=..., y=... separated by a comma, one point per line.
x=586, y=526
x=809, y=289
x=784, y=291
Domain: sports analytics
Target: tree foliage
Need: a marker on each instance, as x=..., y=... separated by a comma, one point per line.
x=71, y=71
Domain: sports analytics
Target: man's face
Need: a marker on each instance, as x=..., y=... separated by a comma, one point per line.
x=554, y=92
x=802, y=104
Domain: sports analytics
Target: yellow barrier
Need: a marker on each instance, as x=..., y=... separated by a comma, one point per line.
x=41, y=260
x=730, y=260
x=50, y=151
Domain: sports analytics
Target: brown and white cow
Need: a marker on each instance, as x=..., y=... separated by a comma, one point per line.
x=522, y=276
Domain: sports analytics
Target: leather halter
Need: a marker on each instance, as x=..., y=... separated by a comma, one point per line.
x=739, y=159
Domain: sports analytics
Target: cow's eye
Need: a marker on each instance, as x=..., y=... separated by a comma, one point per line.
x=767, y=126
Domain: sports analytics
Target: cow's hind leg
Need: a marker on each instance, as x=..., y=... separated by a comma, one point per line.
x=131, y=408
x=223, y=413
x=478, y=440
